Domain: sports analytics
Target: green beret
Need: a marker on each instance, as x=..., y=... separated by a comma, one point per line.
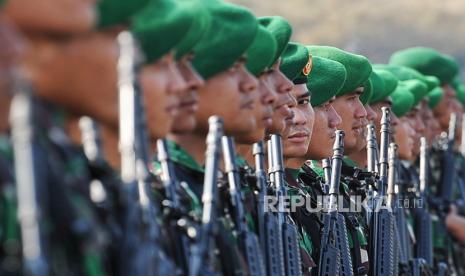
x=377, y=86
x=401, y=72
x=280, y=29
x=432, y=82
x=200, y=24
x=160, y=26
x=418, y=89
x=389, y=84
x=261, y=52
x=402, y=101
x=295, y=60
x=231, y=33
x=435, y=96
x=367, y=92
x=427, y=61
x=115, y=12
x=358, y=67
x=325, y=80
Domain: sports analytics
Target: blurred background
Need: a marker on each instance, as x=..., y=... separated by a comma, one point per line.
x=373, y=28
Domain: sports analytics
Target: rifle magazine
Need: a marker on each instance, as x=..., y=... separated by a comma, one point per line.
x=343, y=246
x=291, y=249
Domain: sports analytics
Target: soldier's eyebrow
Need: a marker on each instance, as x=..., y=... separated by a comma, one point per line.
x=305, y=95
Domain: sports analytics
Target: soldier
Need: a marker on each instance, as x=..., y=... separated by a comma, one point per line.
x=383, y=84
x=261, y=55
x=434, y=129
x=230, y=92
x=403, y=102
x=58, y=77
x=277, y=81
x=296, y=65
x=325, y=80
x=160, y=76
x=69, y=202
x=349, y=106
x=430, y=62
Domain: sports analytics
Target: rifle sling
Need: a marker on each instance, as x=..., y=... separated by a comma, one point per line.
x=351, y=222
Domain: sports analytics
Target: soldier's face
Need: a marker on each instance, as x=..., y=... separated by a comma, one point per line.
x=263, y=112
x=162, y=86
x=352, y=113
x=433, y=129
x=11, y=51
x=371, y=117
x=79, y=74
x=404, y=138
x=282, y=86
x=415, y=119
x=325, y=124
x=231, y=95
x=379, y=114
x=61, y=17
x=300, y=132
x=185, y=120
x=443, y=111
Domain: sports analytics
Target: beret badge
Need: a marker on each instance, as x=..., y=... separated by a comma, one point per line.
x=308, y=67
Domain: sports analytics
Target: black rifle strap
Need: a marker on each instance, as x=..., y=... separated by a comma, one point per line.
x=232, y=262
x=301, y=220
x=352, y=224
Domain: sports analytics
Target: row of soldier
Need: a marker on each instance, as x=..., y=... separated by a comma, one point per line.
x=148, y=138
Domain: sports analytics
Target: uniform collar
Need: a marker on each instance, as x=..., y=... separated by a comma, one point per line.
x=316, y=168
x=294, y=173
x=6, y=148
x=181, y=156
x=241, y=162
x=349, y=162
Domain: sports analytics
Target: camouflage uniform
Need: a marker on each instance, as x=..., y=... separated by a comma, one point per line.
x=10, y=238
x=190, y=174
x=312, y=177
x=77, y=242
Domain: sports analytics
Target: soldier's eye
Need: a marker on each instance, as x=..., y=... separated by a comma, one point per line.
x=304, y=101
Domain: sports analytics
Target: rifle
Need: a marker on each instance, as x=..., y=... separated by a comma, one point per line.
x=268, y=225
x=444, y=197
x=205, y=243
x=372, y=167
x=176, y=217
x=372, y=149
x=398, y=245
x=141, y=253
x=248, y=241
x=287, y=227
x=423, y=220
x=91, y=142
x=423, y=233
x=28, y=184
x=326, y=164
x=335, y=256
x=382, y=221
x=448, y=171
